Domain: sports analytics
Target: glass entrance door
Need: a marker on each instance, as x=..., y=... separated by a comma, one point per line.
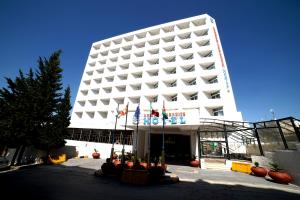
x=212, y=149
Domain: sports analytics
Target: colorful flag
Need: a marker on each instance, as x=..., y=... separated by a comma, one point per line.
x=153, y=112
x=164, y=114
x=123, y=112
x=137, y=113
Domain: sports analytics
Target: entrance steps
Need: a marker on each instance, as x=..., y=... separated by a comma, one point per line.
x=214, y=164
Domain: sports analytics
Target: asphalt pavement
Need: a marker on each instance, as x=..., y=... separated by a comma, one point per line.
x=75, y=179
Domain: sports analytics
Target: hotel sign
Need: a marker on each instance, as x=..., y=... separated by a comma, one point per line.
x=173, y=118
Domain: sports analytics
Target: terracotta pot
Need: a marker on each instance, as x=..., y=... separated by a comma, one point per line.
x=259, y=171
x=195, y=163
x=159, y=165
x=96, y=155
x=143, y=164
x=117, y=162
x=280, y=176
x=129, y=164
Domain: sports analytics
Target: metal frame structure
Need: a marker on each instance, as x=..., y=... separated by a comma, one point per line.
x=247, y=132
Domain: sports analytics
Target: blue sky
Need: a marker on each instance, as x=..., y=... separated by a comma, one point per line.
x=260, y=41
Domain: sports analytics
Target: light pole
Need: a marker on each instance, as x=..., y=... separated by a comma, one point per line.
x=273, y=113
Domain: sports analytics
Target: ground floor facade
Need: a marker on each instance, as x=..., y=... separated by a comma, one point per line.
x=181, y=142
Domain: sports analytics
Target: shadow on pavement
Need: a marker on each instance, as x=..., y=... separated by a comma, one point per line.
x=55, y=182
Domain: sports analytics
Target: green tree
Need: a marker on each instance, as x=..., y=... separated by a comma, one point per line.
x=33, y=108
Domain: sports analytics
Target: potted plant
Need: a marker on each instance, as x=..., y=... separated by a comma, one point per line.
x=194, y=162
x=143, y=163
x=258, y=171
x=159, y=164
x=129, y=162
x=96, y=154
x=278, y=175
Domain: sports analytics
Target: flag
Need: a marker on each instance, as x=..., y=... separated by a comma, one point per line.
x=153, y=112
x=137, y=113
x=164, y=114
x=115, y=112
x=123, y=112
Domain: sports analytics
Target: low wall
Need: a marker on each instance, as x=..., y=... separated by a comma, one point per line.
x=87, y=148
x=288, y=160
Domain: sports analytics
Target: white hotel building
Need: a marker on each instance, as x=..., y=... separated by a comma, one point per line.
x=180, y=63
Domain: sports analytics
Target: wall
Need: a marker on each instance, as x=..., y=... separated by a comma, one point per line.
x=87, y=148
x=289, y=160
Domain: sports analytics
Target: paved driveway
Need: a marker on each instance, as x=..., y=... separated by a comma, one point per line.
x=75, y=180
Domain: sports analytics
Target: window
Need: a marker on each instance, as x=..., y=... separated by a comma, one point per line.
x=104, y=53
x=127, y=48
x=115, y=59
x=210, y=67
x=213, y=80
x=153, y=61
x=124, y=66
x=191, y=69
x=194, y=97
x=139, y=54
x=114, y=51
x=184, y=36
x=168, y=39
x=153, y=51
x=138, y=75
x=105, y=101
x=169, y=49
x=102, y=62
x=174, y=98
x=173, y=71
x=155, y=73
x=136, y=87
x=138, y=64
x=154, y=42
x=126, y=57
x=154, y=99
x=186, y=46
x=192, y=82
x=218, y=111
x=173, y=84
x=215, y=95
x=107, y=90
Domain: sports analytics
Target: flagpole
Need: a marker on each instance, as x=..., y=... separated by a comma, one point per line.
x=123, y=150
x=137, y=133
x=163, y=145
x=113, y=136
x=149, y=136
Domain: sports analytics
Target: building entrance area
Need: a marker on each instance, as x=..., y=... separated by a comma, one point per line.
x=177, y=148
x=212, y=149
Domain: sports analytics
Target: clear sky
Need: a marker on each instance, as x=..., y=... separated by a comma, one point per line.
x=260, y=41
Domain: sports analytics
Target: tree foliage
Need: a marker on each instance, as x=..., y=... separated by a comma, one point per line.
x=34, y=109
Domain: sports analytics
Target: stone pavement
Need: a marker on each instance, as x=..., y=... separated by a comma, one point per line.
x=75, y=179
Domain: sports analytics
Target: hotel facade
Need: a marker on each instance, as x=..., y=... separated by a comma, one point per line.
x=180, y=64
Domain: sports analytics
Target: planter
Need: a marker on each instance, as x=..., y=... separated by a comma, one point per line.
x=57, y=159
x=117, y=162
x=144, y=164
x=129, y=164
x=259, y=171
x=280, y=176
x=195, y=163
x=96, y=155
x=136, y=177
x=159, y=165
